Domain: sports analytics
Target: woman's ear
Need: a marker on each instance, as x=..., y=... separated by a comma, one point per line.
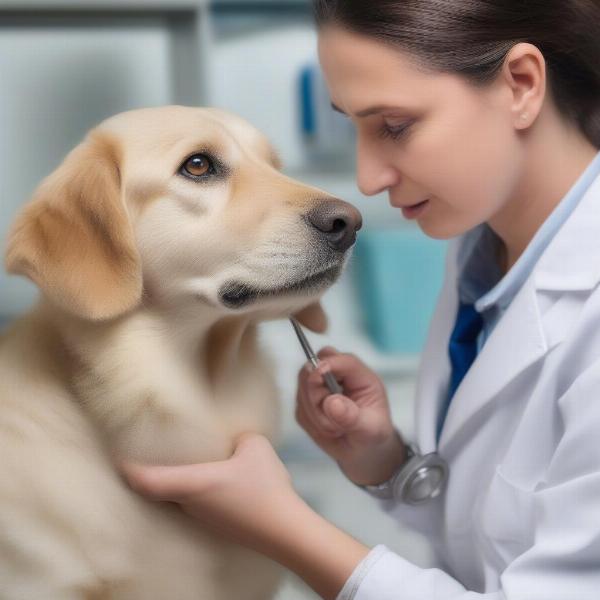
x=313, y=317
x=524, y=71
x=75, y=240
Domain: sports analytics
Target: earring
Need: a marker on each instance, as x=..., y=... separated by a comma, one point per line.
x=524, y=116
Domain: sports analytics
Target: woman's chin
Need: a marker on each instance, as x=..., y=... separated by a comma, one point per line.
x=441, y=230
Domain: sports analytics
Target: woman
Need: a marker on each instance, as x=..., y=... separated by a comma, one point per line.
x=481, y=118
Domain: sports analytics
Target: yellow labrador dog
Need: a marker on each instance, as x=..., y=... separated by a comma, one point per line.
x=158, y=245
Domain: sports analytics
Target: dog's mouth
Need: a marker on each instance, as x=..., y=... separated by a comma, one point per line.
x=236, y=294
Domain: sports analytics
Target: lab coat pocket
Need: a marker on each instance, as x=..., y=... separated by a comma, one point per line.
x=505, y=517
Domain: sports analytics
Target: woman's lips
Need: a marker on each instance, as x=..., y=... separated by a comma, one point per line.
x=412, y=212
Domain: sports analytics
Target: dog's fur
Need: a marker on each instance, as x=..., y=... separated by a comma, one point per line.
x=143, y=346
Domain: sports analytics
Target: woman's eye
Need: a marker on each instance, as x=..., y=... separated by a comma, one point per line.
x=196, y=166
x=395, y=132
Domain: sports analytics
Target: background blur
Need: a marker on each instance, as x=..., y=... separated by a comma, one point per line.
x=65, y=65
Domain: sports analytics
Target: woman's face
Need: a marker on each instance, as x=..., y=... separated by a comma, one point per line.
x=425, y=137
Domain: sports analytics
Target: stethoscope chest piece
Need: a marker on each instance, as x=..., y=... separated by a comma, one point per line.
x=422, y=478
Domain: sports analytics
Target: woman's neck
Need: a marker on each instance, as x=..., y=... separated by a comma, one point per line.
x=557, y=154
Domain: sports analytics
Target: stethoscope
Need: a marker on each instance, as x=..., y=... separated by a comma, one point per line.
x=421, y=478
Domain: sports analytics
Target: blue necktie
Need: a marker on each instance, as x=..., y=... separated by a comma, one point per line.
x=463, y=350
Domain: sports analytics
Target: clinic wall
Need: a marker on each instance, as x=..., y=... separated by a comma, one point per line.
x=58, y=82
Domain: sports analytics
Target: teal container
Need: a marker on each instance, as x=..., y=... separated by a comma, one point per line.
x=399, y=275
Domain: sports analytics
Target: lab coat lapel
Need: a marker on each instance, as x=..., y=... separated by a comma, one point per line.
x=432, y=383
x=434, y=373
x=516, y=342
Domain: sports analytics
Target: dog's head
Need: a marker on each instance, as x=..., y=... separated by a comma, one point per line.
x=180, y=206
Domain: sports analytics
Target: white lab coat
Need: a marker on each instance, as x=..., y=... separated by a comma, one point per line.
x=520, y=519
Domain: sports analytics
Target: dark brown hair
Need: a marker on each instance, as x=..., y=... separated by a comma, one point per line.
x=472, y=37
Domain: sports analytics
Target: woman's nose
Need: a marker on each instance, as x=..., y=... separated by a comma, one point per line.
x=337, y=221
x=373, y=174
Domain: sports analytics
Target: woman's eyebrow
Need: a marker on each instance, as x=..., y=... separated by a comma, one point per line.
x=368, y=111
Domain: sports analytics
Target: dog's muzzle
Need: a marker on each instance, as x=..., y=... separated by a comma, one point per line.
x=236, y=294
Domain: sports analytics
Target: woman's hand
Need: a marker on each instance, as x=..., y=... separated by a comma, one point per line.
x=355, y=428
x=249, y=498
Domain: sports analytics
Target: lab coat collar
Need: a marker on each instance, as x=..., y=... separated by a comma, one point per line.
x=523, y=336
x=571, y=263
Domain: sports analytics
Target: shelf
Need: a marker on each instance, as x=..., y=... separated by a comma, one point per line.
x=101, y=5
x=232, y=19
x=273, y=6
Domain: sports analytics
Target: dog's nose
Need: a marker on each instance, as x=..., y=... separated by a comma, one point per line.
x=338, y=221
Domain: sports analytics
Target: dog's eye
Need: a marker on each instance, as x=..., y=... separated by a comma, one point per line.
x=196, y=166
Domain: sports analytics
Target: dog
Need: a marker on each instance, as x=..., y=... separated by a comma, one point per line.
x=158, y=246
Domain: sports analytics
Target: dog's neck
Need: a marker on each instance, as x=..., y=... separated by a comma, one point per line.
x=164, y=379
x=208, y=342
x=212, y=343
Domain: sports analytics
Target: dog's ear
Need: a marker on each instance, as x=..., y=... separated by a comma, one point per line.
x=75, y=240
x=313, y=317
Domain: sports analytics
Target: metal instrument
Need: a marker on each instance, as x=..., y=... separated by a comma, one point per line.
x=330, y=380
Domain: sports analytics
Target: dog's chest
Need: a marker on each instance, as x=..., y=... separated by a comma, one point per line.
x=155, y=405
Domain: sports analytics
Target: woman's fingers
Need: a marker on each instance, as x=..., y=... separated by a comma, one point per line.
x=341, y=410
x=170, y=482
x=306, y=422
x=333, y=414
x=350, y=372
x=327, y=351
x=314, y=421
x=311, y=392
x=179, y=482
